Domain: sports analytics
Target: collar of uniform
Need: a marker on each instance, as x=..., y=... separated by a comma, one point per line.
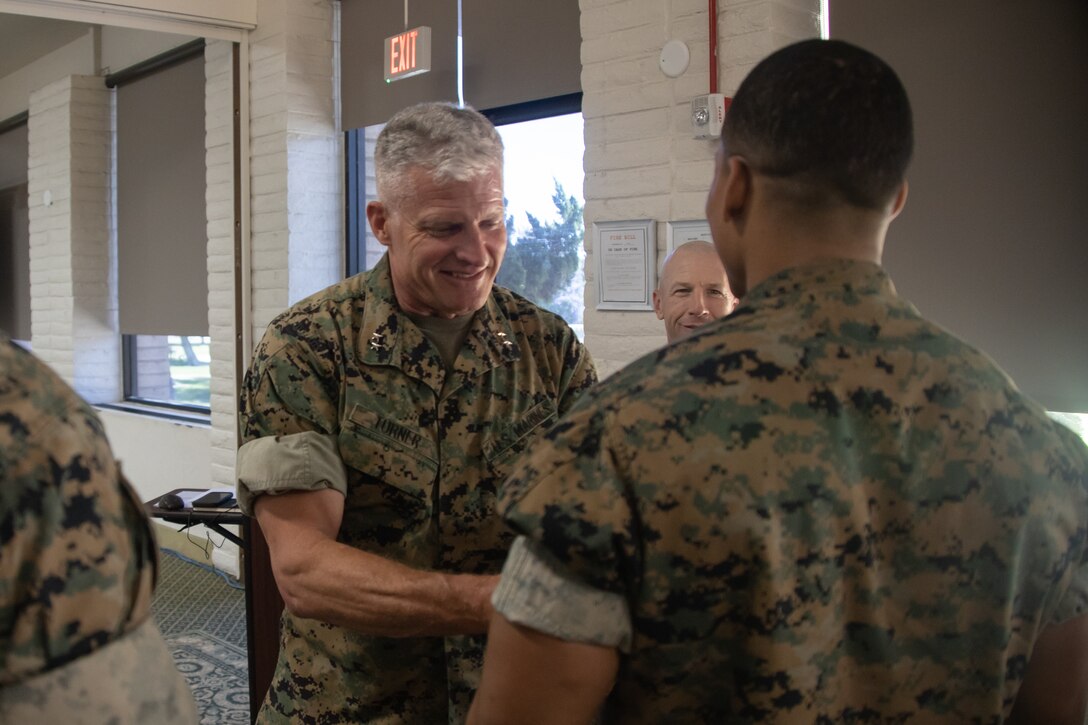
x=387, y=334
x=389, y=337
x=843, y=279
x=490, y=342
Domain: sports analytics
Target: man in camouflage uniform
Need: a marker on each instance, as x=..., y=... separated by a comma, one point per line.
x=77, y=567
x=821, y=509
x=692, y=290
x=379, y=419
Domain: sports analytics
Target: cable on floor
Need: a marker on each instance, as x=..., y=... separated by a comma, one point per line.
x=231, y=581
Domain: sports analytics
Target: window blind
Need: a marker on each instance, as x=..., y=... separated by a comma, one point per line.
x=161, y=211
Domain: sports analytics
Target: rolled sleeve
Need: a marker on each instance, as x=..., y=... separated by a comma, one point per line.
x=306, y=461
x=535, y=591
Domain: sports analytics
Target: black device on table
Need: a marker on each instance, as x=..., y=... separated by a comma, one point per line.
x=213, y=517
x=214, y=500
x=170, y=502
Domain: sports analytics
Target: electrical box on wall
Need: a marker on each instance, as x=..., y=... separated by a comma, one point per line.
x=708, y=115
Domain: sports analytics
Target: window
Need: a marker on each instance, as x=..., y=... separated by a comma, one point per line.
x=170, y=370
x=542, y=176
x=162, y=229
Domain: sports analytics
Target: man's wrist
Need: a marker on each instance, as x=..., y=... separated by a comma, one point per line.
x=473, y=593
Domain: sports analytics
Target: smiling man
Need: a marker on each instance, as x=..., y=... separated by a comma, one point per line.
x=692, y=290
x=379, y=418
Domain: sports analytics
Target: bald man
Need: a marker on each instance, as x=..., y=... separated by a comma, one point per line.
x=692, y=290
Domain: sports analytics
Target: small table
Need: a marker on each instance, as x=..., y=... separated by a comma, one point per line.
x=187, y=517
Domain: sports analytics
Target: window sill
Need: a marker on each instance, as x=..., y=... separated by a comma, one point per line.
x=203, y=420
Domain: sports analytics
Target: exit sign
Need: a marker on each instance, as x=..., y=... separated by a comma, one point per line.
x=408, y=54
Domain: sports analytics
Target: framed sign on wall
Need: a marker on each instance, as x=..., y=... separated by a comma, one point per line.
x=625, y=253
x=682, y=232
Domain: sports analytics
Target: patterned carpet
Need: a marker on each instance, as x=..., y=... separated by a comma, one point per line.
x=202, y=615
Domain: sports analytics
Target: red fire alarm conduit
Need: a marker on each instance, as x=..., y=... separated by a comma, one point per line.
x=713, y=46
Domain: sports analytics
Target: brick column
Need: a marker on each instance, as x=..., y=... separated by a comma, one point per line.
x=73, y=269
x=296, y=187
x=296, y=156
x=219, y=161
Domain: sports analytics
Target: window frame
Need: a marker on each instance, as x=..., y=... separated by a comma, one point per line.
x=169, y=409
x=130, y=399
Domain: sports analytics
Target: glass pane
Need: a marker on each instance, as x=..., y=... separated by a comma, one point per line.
x=543, y=178
x=172, y=369
x=374, y=249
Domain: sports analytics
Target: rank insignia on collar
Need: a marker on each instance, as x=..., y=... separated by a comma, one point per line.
x=503, y=340
x=377, y=341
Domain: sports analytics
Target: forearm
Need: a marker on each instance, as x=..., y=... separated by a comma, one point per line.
x=536, y=679
x=553, y=646
x=321, y=578
x=367, y=593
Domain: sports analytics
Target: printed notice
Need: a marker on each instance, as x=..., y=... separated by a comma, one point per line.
x=624, y=265
x=680, y=233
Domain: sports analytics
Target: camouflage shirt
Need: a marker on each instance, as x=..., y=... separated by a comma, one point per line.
x=77, y=565
x=424, y=462
x=822, y=508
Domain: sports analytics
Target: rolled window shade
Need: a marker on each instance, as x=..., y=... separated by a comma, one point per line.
x=366, y=99
x=161, y=213
x=514, y=51
x=518, y=51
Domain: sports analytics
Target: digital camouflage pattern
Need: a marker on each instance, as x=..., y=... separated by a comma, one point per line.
x=131, y=680
x=821, y=509
x=423, y=473
x=77, y=560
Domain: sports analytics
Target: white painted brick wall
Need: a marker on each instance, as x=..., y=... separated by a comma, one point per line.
x=219, y=162
x=641, y=160
x=72, y=262
x=296, y=187
x=296, y=156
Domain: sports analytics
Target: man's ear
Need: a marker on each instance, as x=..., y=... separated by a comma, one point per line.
x=900, y=200
x=737, y=188
x=379, y=221
x=657, y=305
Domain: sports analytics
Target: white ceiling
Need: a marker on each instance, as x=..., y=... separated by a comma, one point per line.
x=24, y=39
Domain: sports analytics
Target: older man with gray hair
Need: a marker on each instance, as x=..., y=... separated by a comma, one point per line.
x=379, y=419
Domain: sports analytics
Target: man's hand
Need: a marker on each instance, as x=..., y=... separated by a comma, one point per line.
x=320, y=578
x=533, y=678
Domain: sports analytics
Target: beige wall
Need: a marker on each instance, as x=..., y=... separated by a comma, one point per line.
x=991, y=243
x=75, y=58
